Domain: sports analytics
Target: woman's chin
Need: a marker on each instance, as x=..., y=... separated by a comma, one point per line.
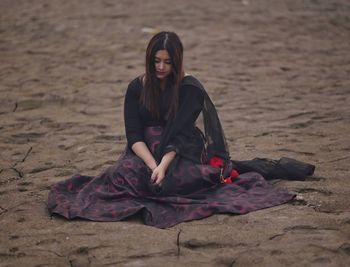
x=161, y=76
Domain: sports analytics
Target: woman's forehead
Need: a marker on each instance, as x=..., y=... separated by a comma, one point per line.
x=162, y=54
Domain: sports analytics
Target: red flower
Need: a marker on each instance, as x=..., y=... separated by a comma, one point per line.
x=216, y=162
x=234, y=173
x=228, y=180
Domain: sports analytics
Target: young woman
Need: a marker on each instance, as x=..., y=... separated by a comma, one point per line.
x=171, y=171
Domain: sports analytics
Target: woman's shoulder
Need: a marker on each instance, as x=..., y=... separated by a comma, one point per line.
x=191, y=80
x=192, y=83
x=136, y=82
x=135, y=86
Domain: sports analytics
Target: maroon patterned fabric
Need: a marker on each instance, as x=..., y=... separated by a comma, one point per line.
x=187, y=192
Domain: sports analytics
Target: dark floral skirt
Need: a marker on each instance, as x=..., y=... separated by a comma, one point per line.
x=188, y=192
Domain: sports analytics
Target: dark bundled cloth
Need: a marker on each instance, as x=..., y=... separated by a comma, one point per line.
x=190, y=189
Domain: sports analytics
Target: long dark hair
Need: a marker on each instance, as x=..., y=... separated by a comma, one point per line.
x=150, y=96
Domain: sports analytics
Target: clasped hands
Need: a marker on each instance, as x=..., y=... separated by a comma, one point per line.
x=158, y=171
x=158, y=174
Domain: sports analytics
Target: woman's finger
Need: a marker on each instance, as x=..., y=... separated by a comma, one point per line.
x=159, y=180
x=154, y=176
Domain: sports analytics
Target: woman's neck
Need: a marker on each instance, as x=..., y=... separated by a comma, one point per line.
x=162, y=84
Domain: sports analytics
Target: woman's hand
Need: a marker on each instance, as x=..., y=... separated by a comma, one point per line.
x=158, y=175
x=159, y=172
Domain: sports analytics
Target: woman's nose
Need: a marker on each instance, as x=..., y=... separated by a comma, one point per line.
x=161, y=65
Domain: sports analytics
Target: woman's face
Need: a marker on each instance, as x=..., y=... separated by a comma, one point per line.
x=162, y=64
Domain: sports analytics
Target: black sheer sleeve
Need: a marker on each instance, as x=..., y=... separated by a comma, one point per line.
x=190, y=106
x=133, y=123
x=177, y=133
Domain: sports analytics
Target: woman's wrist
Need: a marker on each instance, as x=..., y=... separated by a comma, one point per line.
x=152, y=165
x=163, y=165
x=167, y=159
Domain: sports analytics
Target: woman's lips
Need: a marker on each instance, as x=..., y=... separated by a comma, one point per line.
x=161, y=74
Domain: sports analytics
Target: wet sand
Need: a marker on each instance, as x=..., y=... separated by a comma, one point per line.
x=278, y=72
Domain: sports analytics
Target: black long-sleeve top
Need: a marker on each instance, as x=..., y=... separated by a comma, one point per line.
x=186, y=136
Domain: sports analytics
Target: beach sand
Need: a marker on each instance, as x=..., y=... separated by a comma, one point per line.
x=278, y=71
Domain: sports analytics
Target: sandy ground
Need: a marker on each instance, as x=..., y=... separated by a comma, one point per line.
x=278, y=72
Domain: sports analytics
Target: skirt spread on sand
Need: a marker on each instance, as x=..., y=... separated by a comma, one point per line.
x=124, y=189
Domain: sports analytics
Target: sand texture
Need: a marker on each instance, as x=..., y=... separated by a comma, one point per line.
x=279, y=73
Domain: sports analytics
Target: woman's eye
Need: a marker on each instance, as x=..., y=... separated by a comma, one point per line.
x=168, y=62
